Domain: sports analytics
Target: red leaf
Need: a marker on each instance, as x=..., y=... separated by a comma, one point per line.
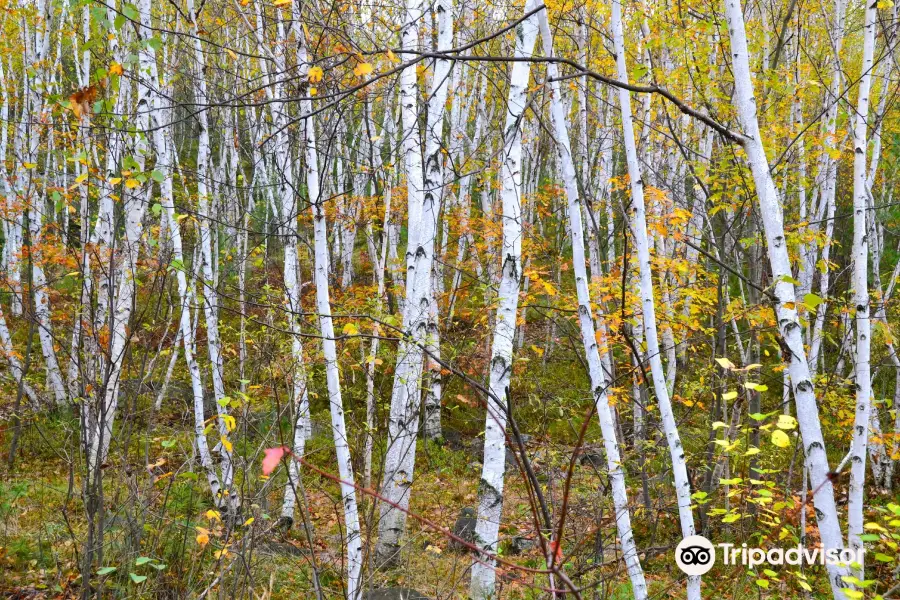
x=273, y=457
x=556, y=551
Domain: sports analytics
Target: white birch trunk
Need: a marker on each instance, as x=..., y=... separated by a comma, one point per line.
x=433, y=186
x=353, y=540
x=588, y=332
x=860, y=284
x=490, y=500
x=798, y=368
x=208, y=251
x=405, y=396
x=670, y=428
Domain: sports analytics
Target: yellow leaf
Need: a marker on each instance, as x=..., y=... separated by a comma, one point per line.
x=115, y=180
x=132, y=183
x=350, y=329
x=249, y=521
x=725, y=363
x=362, y=69
x=230, y=423
x=315, y=74
x=81, y=178
x=226, y=443
x=729, y=395
x=392, y=57
x=313, y=91
x=751, y=452
x=780, y=439
x=202, y=539
x=30, y=165
x=213, y=514
x=116, y=69
x=231, y=53
x=786, y=422
x=282, y=2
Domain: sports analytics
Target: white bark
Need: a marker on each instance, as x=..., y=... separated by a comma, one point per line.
x=588, y=332
x=433, y=186
x=164, y=145
x=289, y=211
x=670, y=428
x=490, y=500
x=828, y=185
x=860, y=283
x=786, y=313
x=405, y=397
x=208, y=251
x=353, y=539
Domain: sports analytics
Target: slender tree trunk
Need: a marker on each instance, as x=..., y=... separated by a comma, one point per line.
x=789, y=327
x=422, y=211
x=588, y=332
x=353, y=539
x=860, y=278
x=490, y=501
x=676, y=450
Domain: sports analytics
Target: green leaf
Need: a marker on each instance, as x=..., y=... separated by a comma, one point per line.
x=105, y=570
x=167, y=443
x=883, y=557
x=812, y=301
x=137, y=578
x=788, y=279
x=142, y=560
x=762, y=583
x=157, y=176
x=131, y=12
x=156, y=209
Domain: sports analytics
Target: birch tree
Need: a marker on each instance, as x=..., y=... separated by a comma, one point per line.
x=639, y=220
x=773, y=222
x=861, y=191
x=490, y=492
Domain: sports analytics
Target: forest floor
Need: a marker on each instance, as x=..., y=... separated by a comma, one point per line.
x=163, y=538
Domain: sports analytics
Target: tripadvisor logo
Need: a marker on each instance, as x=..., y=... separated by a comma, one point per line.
x=696, y=555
